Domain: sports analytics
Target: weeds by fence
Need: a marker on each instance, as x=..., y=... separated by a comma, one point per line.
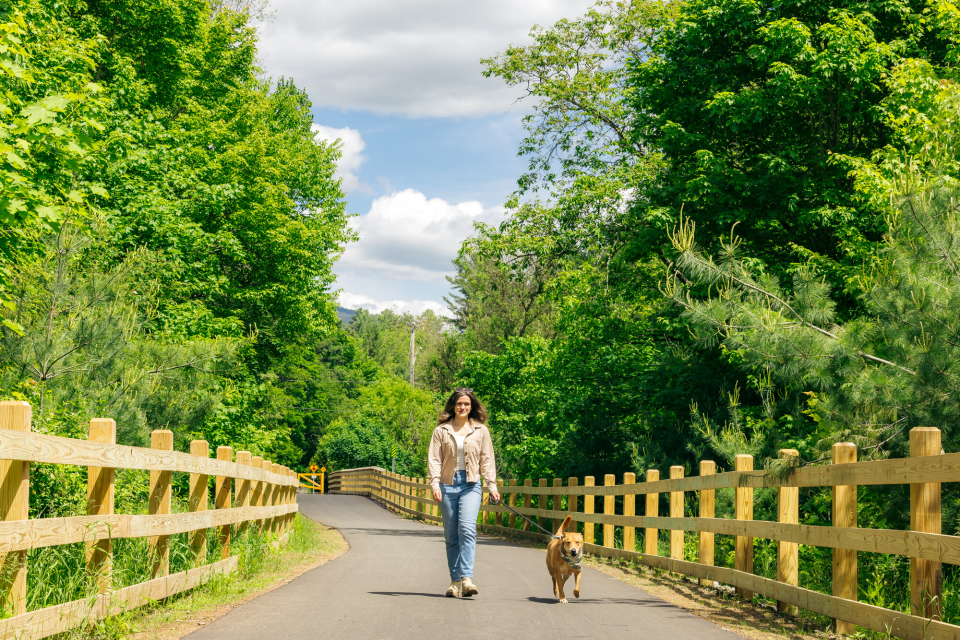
x=923, y=544
x=249, y=492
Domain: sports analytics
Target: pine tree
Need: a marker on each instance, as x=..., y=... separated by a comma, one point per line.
x=896, y=368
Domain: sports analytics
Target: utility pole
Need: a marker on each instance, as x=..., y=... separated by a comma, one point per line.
x=413, y=353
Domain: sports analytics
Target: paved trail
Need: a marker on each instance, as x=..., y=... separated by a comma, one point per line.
x=389, y=586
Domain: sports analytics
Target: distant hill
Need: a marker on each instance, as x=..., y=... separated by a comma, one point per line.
x=345, y=315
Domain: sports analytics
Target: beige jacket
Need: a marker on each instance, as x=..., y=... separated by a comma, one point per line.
x=477, y=453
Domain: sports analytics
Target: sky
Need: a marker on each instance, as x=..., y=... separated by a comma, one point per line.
x=429, y=145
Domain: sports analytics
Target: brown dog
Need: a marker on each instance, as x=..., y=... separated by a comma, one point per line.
x=564, y=557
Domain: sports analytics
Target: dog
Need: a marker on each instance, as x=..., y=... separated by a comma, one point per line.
x=565, y=557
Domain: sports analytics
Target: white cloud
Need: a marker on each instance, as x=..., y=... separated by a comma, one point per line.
x=410, y=57
x=405, y=236
x=416, y=307
x=351, y=155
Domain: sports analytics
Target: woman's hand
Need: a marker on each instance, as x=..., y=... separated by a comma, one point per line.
x=495, y=496
x=437, y=495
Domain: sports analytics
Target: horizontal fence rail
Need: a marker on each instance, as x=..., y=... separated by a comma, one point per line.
x=924, y=544
x=248, y=492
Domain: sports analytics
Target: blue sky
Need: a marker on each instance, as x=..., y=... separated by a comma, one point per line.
x=429, y=144
x=456, y=159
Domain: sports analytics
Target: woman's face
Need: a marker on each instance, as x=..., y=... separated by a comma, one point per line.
x=462, y=408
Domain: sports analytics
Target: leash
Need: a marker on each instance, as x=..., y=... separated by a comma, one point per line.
x=575, y=563
x=505, y=505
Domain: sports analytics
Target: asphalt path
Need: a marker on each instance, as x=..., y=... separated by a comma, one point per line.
x=389, y=586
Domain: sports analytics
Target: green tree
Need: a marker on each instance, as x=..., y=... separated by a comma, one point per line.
x=386, y=339
x=86, y=342
x=49, y=106
x=496, y=297
x=361, y=441
x=874, y=377
x=761, y=112
x=575, y=73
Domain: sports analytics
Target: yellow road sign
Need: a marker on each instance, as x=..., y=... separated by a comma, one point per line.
x=313, y=467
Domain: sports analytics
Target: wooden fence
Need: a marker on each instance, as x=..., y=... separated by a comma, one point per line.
x=264, y=492
x=924, y=544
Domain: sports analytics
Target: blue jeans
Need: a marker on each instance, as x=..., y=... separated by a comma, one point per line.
x=459, y=508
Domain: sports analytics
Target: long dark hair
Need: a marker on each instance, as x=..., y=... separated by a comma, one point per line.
x=477, y=412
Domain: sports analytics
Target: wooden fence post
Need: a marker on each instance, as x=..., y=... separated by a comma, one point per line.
x=160, y=501
x=708, y=501
x=486, y=517
x=788, y=553
x=743, y=507
x=572, y=499
x=256, y=487
x=281, y=490
x=285, y=499
x=266, y=496
x=273, y=524
x=542, y=503
x=199, y=502
x=926, y=576
x=222, y=488
x=609, y=509
x=527, y=502
x=629, y=509
x=406, y=491
x=15, y=505
x=292, y=498
x=650, y=536
x=100, y=486
x=589, y=502
x=282, y=500
x=512, y=520
x=676, y=511
x=845, y=515
x=556, y=503
x=243, y=487
x=421, y=507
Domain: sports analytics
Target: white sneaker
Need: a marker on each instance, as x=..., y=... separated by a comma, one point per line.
x=467, y=588
x=453, y=591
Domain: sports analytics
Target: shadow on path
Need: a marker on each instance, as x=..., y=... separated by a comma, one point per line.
x=407, y=593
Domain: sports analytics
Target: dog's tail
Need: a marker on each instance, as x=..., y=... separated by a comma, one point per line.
x=563, y=525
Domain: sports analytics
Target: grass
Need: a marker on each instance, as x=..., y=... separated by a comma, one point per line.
x=261, y=569
x=57, y=575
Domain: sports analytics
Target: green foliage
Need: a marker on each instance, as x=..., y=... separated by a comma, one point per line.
x=761, y=112
x=575, y=73
x=49, y=106
x=87, y=342
x=385, y=337
x=498, y=296
x=879, y=375
x=179, y=300
x=362, y=441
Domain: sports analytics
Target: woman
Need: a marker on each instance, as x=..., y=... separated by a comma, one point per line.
x=460, y=452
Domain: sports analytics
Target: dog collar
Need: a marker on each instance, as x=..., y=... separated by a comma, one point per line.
x=573, y=563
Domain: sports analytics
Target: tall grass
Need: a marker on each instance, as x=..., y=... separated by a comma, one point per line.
x=56, y=575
